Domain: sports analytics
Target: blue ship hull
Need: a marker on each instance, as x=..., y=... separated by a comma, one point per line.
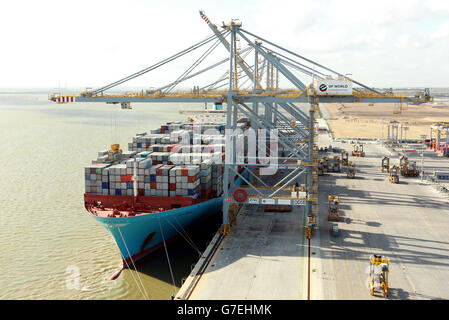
x=140, y=235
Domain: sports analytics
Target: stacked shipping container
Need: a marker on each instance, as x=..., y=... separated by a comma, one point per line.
x=162, y=165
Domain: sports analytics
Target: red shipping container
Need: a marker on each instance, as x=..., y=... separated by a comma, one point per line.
x=192, y=179
x=153, y=185
x=148, y=145
x=172, y=186
x=127, y=178
x=184, y=172
x=141, y=192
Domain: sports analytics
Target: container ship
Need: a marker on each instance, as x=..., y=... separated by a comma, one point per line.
x=169, y=179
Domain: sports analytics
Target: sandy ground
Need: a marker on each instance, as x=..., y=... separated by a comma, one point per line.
x=361, y=120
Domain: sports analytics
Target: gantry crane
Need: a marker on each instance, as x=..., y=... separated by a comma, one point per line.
x=336, y=164
x=385, y=164
x=350, y=174
x=403, y=163
x=326, y=167
x=358, y=150
x=344, y=158
x=334, y=208
x=267, y=107
x=394, y=174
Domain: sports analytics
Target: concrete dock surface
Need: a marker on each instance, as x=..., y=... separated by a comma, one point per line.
x=263, y=258
x=408, y=222
x=266, y=254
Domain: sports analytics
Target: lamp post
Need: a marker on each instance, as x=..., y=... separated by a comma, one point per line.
x=423, y=137
x=382, y=126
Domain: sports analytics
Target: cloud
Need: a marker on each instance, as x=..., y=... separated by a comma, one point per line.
x=90, y=43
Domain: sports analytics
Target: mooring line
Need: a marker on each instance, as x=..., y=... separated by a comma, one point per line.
x=145, y=294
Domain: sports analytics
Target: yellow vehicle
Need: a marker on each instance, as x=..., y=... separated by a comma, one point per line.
x=309, y=227
x=408, y=169
x=403, y=164
x=114, y=152
x=336, y=167
x=334, y=208
x=351, y=170
x=385, y=164
x=358, y=151
x=378, y=276
x=344, y=158
x=411, y=170
x=115, y=148
x=394, y=174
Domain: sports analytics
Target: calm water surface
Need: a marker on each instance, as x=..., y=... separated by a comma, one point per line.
x=46, y=235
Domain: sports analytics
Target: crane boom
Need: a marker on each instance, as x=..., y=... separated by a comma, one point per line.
x=223, y=40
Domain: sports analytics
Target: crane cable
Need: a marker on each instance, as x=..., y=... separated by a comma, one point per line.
x=311, y=61
x=202, y=71
x=168, y=259
x=225, y=76
x=194, y=65
x=155, y=66
x=311, y=70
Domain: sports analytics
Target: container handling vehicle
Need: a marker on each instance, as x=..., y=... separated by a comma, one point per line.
x=378, y=277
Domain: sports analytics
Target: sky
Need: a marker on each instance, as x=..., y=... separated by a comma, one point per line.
x=383, y=43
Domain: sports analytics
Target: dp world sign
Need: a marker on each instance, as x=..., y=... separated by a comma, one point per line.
x=333, y=87
x=323, y=87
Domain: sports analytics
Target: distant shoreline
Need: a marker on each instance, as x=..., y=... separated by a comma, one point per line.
x=436, y=92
